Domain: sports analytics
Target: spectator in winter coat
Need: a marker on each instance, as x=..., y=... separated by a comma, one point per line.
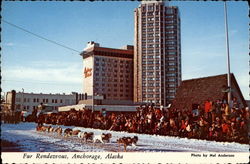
x=195, y=112
x=225, y=129
x=188, y=129
x=236, y=104
x=213, y=112
x=212, y=133
x=208, y=109
x=182, y=128
x=202, y=128
x=226, y=110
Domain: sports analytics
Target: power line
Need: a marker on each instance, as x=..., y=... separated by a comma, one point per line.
x=41, y=37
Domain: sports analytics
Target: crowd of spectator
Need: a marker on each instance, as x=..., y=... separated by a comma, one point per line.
x=11, y=117
x=211, y=121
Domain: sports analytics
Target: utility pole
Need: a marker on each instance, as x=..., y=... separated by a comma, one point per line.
x=22, y=99
x=93, y=83
x=228, y=59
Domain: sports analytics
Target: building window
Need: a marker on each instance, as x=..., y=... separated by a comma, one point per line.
x=18, y=106
x=171, y=58
x=171, y=48
x=150, y=13
x=169, y=11
x=170, y=32
x=169, y=16
x=170, y=37
x=170, y=42
x=171, y=79
x=150, y=8
x=171, y=91
x=157, y=95
x=169, y=27
x=171, y=69
x=150, y=96
x=171, y=64
x=67, y=101
x=150, y=29
x=171, y=85
x=172, y=53
x=170, y=74
x=150, y=24
x=171, y=97
x=150, y=51
x=170, y=21
x=150, y=19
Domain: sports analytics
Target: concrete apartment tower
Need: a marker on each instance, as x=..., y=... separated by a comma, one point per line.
x=157, y=52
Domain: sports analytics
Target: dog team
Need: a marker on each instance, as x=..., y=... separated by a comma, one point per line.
x=89, y=136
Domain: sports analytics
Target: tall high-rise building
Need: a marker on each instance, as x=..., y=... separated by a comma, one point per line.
x=157, y=52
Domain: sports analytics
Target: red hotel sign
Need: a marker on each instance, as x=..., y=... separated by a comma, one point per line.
x=87, y=72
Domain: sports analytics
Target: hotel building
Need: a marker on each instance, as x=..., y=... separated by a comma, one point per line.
x=157, y=52
x=108, y=74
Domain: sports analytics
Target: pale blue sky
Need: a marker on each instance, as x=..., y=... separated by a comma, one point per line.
x=40, y=66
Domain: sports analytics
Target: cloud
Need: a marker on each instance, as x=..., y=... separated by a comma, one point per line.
x=54, y=64
x=10, y=44
x=43, y=71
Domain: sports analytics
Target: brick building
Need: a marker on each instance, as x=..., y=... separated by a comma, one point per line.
x=197, y=91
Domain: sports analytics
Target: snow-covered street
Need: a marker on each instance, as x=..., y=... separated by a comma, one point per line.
x=29, y=140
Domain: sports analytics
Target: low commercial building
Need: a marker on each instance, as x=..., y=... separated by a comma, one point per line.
x=98, y=108
x=21, y=101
